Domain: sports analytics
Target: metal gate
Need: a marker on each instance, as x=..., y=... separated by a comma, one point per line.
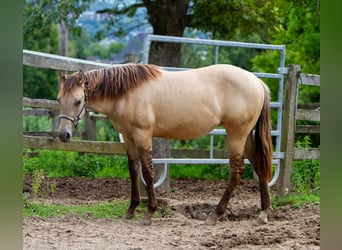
x=277, y=155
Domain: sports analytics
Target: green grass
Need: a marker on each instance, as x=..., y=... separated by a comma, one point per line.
x=296, y=200
x=108, y=210
x=111, y=210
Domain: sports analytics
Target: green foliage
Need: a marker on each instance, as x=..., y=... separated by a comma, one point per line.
x=40, y=83
x=227, y=18
x=37, y=123
x=298, y=28
x=43, y=13
x=198, y=171
x=306, y=174
x=103, y=51
x=39, y=34
x=200, y=143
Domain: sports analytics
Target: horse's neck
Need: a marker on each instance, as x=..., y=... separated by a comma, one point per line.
x=102, y=106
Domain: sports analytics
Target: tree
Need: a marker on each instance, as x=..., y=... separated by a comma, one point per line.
x=298, y=27
x=39, y=36
x=41, y=19
x=223, y=18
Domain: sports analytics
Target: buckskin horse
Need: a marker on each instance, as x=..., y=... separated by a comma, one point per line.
x=143, y=101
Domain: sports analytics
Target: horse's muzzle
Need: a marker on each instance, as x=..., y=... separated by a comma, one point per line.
x=64, y=136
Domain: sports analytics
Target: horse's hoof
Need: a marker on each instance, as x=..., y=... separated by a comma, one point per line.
x=263, y=216
x=262, y=219
x=212, y=219
x=129, y=216
x=146, y=221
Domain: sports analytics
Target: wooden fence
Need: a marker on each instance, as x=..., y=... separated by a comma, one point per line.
x=291, y=113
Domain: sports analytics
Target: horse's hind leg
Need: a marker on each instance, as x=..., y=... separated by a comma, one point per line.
x=265, y=201
x=263, y=183
x=237, y=168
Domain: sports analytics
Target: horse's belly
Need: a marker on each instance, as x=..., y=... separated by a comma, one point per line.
x=185, y=131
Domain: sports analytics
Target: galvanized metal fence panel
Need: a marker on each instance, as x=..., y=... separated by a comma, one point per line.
x=277, y=154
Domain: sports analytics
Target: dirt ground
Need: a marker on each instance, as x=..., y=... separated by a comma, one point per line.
x=190, y=200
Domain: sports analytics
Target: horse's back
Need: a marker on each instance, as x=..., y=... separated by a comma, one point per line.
x=228, y=87
x=188, y=104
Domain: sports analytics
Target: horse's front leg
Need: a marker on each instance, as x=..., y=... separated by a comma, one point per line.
x=145, y=154
x=133, y=164
x=143, y=141
x=135, y=191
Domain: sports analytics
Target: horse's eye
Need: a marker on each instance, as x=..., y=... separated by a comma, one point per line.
x=77, y=103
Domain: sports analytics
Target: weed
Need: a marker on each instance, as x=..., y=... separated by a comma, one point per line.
x=37, y=177
x=53, y=186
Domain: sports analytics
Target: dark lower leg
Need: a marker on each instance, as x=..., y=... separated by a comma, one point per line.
x=236, y=170
x=265, y=202
x=264, y=195
x=135, y=192
x=148, y=175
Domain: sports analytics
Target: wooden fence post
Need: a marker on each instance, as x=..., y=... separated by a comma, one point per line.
x=54, y=119
x=288, y=130
x=89, y=128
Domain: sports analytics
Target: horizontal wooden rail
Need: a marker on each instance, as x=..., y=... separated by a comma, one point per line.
x=307, y=129
x=45, y=60
x=308, y=115
x=307, y=153
x=310, y=79
x=40, y=103
x=41, y=112
x=42, y=142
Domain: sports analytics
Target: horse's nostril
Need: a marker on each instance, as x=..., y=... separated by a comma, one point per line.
x=64, y=136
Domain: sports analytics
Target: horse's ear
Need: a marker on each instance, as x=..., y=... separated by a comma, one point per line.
x=81, y=76
x=62, y=75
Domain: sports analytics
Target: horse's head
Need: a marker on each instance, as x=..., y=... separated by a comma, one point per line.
x=73, y=101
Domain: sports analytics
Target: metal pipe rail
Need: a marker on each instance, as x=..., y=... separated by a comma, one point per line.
x=167, y=161
x=276, y=105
